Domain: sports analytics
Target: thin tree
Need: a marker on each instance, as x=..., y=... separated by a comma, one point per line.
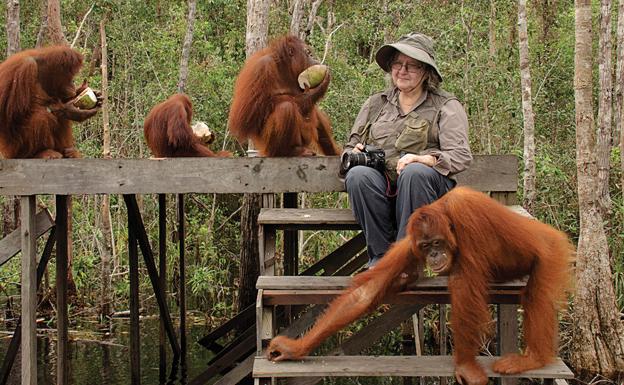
x=256, y=38
x=597, y=344
x=13, y=27
x=10, y=209
x=107, y=249
x=186, y=46
x=527, y=110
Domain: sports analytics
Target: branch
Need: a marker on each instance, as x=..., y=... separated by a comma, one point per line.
x=84, y=18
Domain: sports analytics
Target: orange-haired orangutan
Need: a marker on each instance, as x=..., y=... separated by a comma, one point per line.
x=476, y=241
x=168, y=130
x=269, y=108
x=36, y=89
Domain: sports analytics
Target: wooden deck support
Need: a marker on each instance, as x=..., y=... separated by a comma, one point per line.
x=136, y=224
x=29, y=291
x=11, y=354
x=182, y=284
x=162, y=273
x=62, y=258
x=135, y=328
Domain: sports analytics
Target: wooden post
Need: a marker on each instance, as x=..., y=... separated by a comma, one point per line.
x=181, y=287
x=62, y=257
x=29, y=291
x=507, y=334
x=135, y=343
x=162, y=265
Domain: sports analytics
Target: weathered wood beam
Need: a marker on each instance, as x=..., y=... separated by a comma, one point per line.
x=210, y=175
x=12, y=243
x=29, y=291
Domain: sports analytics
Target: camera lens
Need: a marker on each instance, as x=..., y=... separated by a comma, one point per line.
x=352, y=159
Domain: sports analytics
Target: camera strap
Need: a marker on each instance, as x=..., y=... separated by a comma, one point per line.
x=391, y=191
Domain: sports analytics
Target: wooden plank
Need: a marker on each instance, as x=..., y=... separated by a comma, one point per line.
x=211, y=175
x=239, y=372
x=223, y=363
x=29, y=291
x=283, y=217
x=338, y=283
x=63, y=241
x=293, y=218
x=134, y=303
x=337, y=259
x=242, y=320
x=507, y=334
x=12, y=243
x=301, y=297
x=395, y=366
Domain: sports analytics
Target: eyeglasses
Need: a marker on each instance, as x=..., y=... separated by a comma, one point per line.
x=410, y=67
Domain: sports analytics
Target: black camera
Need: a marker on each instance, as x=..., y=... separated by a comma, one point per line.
x=371, y=156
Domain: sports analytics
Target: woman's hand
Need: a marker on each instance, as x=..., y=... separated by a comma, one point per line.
x=358, y=148
x=428, y=160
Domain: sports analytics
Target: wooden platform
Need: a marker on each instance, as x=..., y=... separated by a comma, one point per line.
x=394, y=366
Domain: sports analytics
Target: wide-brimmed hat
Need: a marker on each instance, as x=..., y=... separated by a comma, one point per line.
x=415, y=45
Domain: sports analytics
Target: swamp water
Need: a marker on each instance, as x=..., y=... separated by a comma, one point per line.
x=98, y=359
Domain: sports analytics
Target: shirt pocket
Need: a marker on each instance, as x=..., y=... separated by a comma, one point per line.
x=413, y=136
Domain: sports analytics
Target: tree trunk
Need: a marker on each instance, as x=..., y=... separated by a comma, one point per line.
x=44, y=25
x=55, y=33
x=255, y=39
x=605, y=110
x=105, y=223
x=492, y=34
x=186, y=47
x=13, y=27
x=297, y=16
x=597, y=345
x=527, y=110
x=619, y=87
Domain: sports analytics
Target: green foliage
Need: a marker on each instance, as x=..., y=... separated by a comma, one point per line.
x=144, y=44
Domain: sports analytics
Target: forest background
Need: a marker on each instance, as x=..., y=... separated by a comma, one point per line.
x=477, y=52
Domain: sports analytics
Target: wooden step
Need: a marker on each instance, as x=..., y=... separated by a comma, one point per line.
x=394, y=366
x=341, y=283
x=299, y=290
x=308, y=218
x=286, y=218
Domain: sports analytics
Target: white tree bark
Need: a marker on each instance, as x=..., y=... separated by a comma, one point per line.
x=598, y=345
x=297, y=15
x=256, y=36
x=186, y=47
x=527, y=110
x=13, y=27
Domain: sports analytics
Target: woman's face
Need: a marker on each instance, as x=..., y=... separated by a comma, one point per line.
x=407, y=73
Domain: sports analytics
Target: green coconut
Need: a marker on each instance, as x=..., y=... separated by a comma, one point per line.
x=86, y=100
x=312, y=76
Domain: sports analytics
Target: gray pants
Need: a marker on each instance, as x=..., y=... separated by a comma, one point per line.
x=384, y=219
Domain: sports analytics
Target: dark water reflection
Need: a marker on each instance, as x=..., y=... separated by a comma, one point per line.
x=92, y=362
